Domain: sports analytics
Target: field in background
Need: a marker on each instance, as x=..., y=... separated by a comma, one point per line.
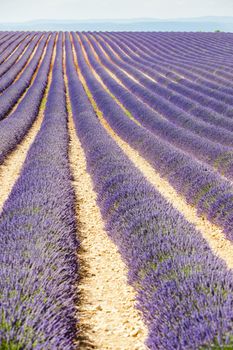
x=116, y=168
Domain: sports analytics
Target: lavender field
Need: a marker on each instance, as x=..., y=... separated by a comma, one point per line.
x=116, y=196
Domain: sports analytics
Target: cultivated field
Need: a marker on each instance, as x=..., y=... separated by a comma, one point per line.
x=116, y=196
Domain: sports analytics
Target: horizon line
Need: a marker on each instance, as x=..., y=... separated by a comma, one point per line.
x=116, y=19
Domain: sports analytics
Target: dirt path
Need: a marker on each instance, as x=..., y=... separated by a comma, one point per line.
x=11, y=167
x=212, y=233
x=107, y=316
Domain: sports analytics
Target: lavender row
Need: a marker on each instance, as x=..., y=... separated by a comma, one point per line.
x=209, y=43
x=10, y=97
x=202, y=113
x=184, y=77
x=7, y=36
x=179, y=71
x=38, y=240
x=196, y=67
x=176, y=93
x=8, y=78
x=158, y=73
x=209, y=152
x=163, y=42
x=9, y=41
x=209, y=192
x=194, y=103
x=212, y=60
x=4, y=36
x=180, y=51
x=189, y=66
x=4, y=56
x=16, y=55
x=213, y=67
x=15, y=127
x=177, y=277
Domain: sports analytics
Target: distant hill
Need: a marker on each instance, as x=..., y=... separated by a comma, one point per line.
x=205, y=24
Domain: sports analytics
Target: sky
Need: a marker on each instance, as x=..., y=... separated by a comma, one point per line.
x=27, y=10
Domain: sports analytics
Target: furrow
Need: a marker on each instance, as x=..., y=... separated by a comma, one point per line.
x=107, y=317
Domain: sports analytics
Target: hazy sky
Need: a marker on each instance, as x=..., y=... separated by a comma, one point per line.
x=24, y=10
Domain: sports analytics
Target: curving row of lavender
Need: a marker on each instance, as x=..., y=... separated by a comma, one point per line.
x=38, y=236
x=172, y=105
x=180, y=64
x=208, y=151
x=183, y=289
x=203, y=187
x=166, y=73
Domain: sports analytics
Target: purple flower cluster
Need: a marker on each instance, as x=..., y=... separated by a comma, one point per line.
x=184, y=291
x=38, y=239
